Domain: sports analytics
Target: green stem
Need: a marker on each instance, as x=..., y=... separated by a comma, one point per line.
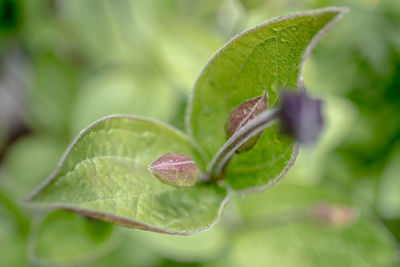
x=252, y=128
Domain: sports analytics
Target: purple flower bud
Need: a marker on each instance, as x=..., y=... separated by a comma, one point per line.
x=242, y=114
x=175, y=169
x=301, y=116
x=332, y=215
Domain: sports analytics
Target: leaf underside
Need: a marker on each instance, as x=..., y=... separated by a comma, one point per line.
x=268, y=57
x=104, y=175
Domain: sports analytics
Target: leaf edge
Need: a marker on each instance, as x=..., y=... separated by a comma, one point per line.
x=117, y=220
x=340, y=11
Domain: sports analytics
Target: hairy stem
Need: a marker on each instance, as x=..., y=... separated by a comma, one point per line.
x=252, y=128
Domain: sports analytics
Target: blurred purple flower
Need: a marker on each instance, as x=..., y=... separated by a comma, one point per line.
x=301, y=116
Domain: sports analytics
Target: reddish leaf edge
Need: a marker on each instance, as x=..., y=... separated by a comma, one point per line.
x=340, y=12
x=108, y=217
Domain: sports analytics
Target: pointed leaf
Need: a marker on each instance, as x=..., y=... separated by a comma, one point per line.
x=104, y=175
x=267, y=57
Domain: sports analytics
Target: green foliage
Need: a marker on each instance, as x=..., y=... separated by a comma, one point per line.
x=104, y=172
x=120, y=92
x=389, y=197
x=202, y=246
x=51, y=107
x=12, y=236
x=104, y=175
x=83, y=239
x=38, y=155
x=64, y=64
x=268, y=57
x=277, y=223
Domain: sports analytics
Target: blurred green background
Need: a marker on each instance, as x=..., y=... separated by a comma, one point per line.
x=66, y=63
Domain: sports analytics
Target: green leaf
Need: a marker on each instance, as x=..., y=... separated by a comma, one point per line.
x=104, y=175
x=182, y=43
x=311, y=163
x=29, y=160
x=64, y=238
x=53, y=89
x=267, y=57
x=12, y=236
x=274, y=230
x=123, y=91
x=199, y=247
x=389, y=197
x=131, y=252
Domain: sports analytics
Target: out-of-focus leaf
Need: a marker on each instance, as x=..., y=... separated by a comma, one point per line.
x=252, y=4
x=268, y=57
x=123, y=91
x=52, y=93
x=131, y=252
x=101, y=30
x=41, y=29
x=184, y=49
x=196, y=10
x=230, y=15
x=12, y=239
x=2, y=136
x=277, y=231
x=29, y=160
x=104, y=175
x=339, y=116
x=199, y=247
x=389, y=193
x=64, y=238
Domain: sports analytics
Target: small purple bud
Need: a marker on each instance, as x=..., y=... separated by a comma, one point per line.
x=301, y=116
x=242, y=114
x=175, y=169
x=332, y=215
